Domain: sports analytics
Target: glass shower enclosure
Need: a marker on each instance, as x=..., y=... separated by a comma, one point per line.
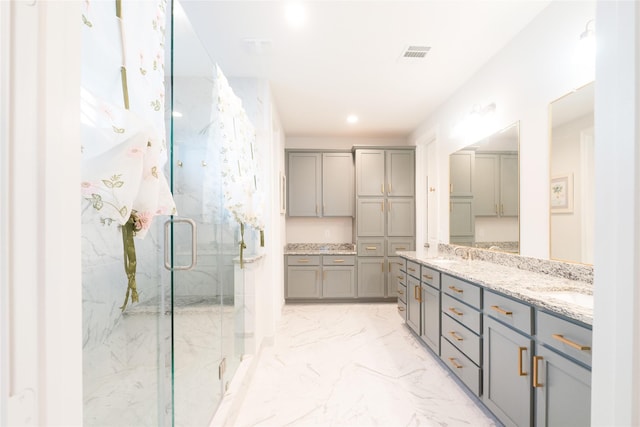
x=167, y=359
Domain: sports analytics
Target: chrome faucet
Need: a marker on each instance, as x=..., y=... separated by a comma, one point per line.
x=464, y=254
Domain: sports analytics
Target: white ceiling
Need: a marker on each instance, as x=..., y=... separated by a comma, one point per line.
x=347, y=58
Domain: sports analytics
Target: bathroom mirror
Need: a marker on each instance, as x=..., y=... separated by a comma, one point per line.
x=571, y=186
x=484, y=199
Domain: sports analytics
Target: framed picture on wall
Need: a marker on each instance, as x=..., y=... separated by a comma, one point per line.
x=562, y=193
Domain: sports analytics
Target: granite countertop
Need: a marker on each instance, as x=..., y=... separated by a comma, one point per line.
x=571, y=298
x=320, y=249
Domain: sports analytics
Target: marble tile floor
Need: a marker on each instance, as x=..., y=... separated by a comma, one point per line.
x=352, y=365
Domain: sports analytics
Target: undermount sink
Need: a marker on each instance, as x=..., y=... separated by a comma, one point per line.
x=577, y=298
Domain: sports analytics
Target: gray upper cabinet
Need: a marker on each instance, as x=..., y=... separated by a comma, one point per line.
x=462, y=165
x=304, y=181
x=337, y=184
x=400, y=173
x=320, y=184
x=495, y=184
x=370, y=172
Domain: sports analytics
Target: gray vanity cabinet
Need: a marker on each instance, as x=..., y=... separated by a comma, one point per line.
x=320, y=184
x=430, y=310
x=414, y=303
x=303, y=277
x=508, y=351
x=562, y=372
x=394, y=277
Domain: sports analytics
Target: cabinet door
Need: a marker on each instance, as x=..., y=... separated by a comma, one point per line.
x=338, y=282
x=304, y=184
x=414, y=305
x=370, y=172
x=303, y=282
x=461, y=221
x=400, y=217
x=563, y=391
x=400, y=173
x=371, y=277
x=485, y=185
x=507, y=388
x=431, y=317
x=371, y=217
x=509, y=185
x=337, y=184
x=461, y=173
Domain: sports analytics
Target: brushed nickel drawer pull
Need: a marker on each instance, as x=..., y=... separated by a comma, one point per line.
x=520, y=351
x=412, y=269
x=456, y=336
x=401, y=248
x=419, y=293
x=536, y=382
x=455, y=363
x=427, y=277
x=501, y=311
x=456, y=312
x=456, y=290
x=338, y=261
x=570, y=343
x=371, y=248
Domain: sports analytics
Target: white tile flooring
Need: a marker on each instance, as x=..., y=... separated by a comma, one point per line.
x=352, y=365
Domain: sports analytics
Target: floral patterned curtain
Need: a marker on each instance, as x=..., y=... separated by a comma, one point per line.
x=123, y=124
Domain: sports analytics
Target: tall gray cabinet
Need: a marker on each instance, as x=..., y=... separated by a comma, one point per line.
x=385, y=216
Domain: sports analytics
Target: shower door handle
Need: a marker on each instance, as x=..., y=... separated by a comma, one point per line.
x=194, y=246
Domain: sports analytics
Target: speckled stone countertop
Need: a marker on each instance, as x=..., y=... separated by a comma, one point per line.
x=562, y=295
x=320, y=249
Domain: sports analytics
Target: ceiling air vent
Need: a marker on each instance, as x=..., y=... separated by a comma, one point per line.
x=413, y=51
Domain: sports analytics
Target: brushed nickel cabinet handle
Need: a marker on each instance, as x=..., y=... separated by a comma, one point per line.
x=456, y=336
x=570, y=343
x=401, y=248
x=456, y=312
x=455, y=363
x=501, y=311
x=382, y=188
x=411, y=269
x=456, y=290
x=371, y=248
x=418, y=293
x=520, y=351
x=302, y=261
x=536, y=382
x=426, y=276
x=338, y=261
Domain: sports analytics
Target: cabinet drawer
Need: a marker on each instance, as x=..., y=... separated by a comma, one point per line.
x=430, y=277
x=402, y=310
x=460, y=365
x=514, y=313
x=370, y=247
x=413, y=269
x=402, y=292
x=399, y=244
x=462, y=313
x=462, y=338
x=303, y=260
x=569, y=338
x=459, y=289
x=338, y=260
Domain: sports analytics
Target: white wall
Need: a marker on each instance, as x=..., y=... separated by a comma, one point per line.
x=41, y=381
x=616, y=331
x=536, y=67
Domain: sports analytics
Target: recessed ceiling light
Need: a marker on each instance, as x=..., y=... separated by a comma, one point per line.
x=295, y=13
x=352, y=118
x=176, y=114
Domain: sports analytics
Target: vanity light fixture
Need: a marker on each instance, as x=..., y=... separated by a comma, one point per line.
x=352, y=119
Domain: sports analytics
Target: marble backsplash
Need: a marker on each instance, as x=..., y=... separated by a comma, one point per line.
x=580, y=272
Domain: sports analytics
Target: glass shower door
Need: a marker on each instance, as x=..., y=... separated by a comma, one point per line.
x=202, y=241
